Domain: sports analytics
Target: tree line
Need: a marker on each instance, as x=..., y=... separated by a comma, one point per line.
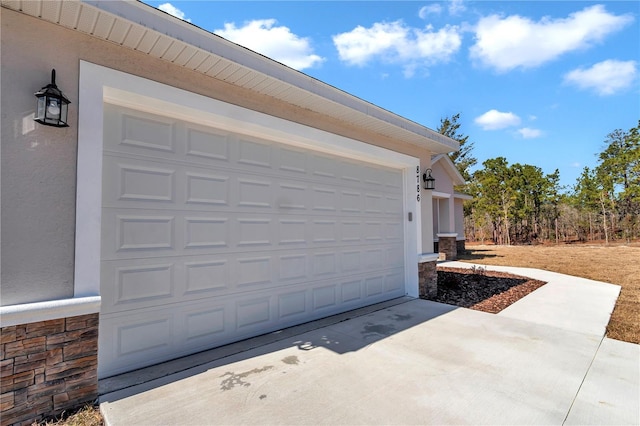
x=520, y=204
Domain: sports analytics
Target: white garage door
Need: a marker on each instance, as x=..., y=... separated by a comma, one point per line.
x=210, y=237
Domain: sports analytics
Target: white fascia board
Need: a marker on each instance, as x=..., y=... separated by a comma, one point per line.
x=438, y=194
x=461, y=196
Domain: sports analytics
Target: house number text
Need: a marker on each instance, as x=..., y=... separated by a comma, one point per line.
x=418, y=183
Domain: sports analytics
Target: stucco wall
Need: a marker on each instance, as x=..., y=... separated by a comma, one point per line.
x=443, y=182
x=38, y=168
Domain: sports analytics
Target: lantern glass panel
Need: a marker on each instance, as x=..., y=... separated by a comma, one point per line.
x=63, y=113
x=41, y=108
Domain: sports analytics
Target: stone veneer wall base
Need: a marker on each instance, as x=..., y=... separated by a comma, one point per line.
x=427, y=280
x=447, y=248
x=47, y=367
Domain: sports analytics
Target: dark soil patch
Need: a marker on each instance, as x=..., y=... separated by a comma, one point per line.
x=482, y=290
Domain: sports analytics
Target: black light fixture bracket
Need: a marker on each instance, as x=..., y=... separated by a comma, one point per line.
x=51, y=107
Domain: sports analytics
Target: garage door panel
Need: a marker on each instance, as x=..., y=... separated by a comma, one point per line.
x=393, y=256
x=139, y=133
x=206, y=189
x=254, y=232
x=210, y=237
x=351, y=291
x=138, y=283
x=291, y=162
x=144, y=232
x=254, y=193
x=153, y=183
x=393, y=231
x=204, y=147
x=324, y=199
x=324, y=231
x=254, y=271
x=324, y=297
x=128, y=340
x=206, y=232
x=145, y=336
x=393, y=205
x=254, y=154
x=139, y=181
x=292, y=196
x=159, y=233
x=351, y=202
x=394, y=282
x=207, y=145
x=142, y=283
x=203, y=323
x=293, y=267
x=374, y=286
x=373, y=231
x=392, y=182
x=293, y=305
x=292, y=231
x=324, y=167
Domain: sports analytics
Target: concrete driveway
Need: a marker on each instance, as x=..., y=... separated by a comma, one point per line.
x=407, y=361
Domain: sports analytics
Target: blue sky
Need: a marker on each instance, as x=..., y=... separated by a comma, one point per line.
x=538, y=82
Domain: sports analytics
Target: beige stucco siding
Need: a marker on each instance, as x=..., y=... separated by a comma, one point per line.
x=443, y=181
x=38, y=169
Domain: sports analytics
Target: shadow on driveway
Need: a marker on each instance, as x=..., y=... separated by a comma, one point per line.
x=365, y=322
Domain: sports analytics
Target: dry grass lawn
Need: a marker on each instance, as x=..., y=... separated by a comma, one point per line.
x=618, y=264
x=85, y=416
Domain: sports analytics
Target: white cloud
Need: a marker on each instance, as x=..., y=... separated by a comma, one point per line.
x=575, y=164
x=495, y=120
x=506, y=43
x=606, y=77
x=395, y=42
x=529, y=133
x=276, y=42
x=456, y=7
x=432, y=9
x=174, y=11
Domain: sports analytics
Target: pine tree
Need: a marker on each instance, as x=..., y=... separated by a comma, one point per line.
x=463, y=158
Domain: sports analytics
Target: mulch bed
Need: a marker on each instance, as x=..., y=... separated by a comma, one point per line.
x=482, y=290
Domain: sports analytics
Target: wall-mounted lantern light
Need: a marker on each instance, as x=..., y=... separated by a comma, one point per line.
x=51, y=108
x=429, y=181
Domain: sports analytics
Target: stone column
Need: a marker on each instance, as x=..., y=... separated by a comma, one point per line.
x=427, y=276
x=447, y=246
